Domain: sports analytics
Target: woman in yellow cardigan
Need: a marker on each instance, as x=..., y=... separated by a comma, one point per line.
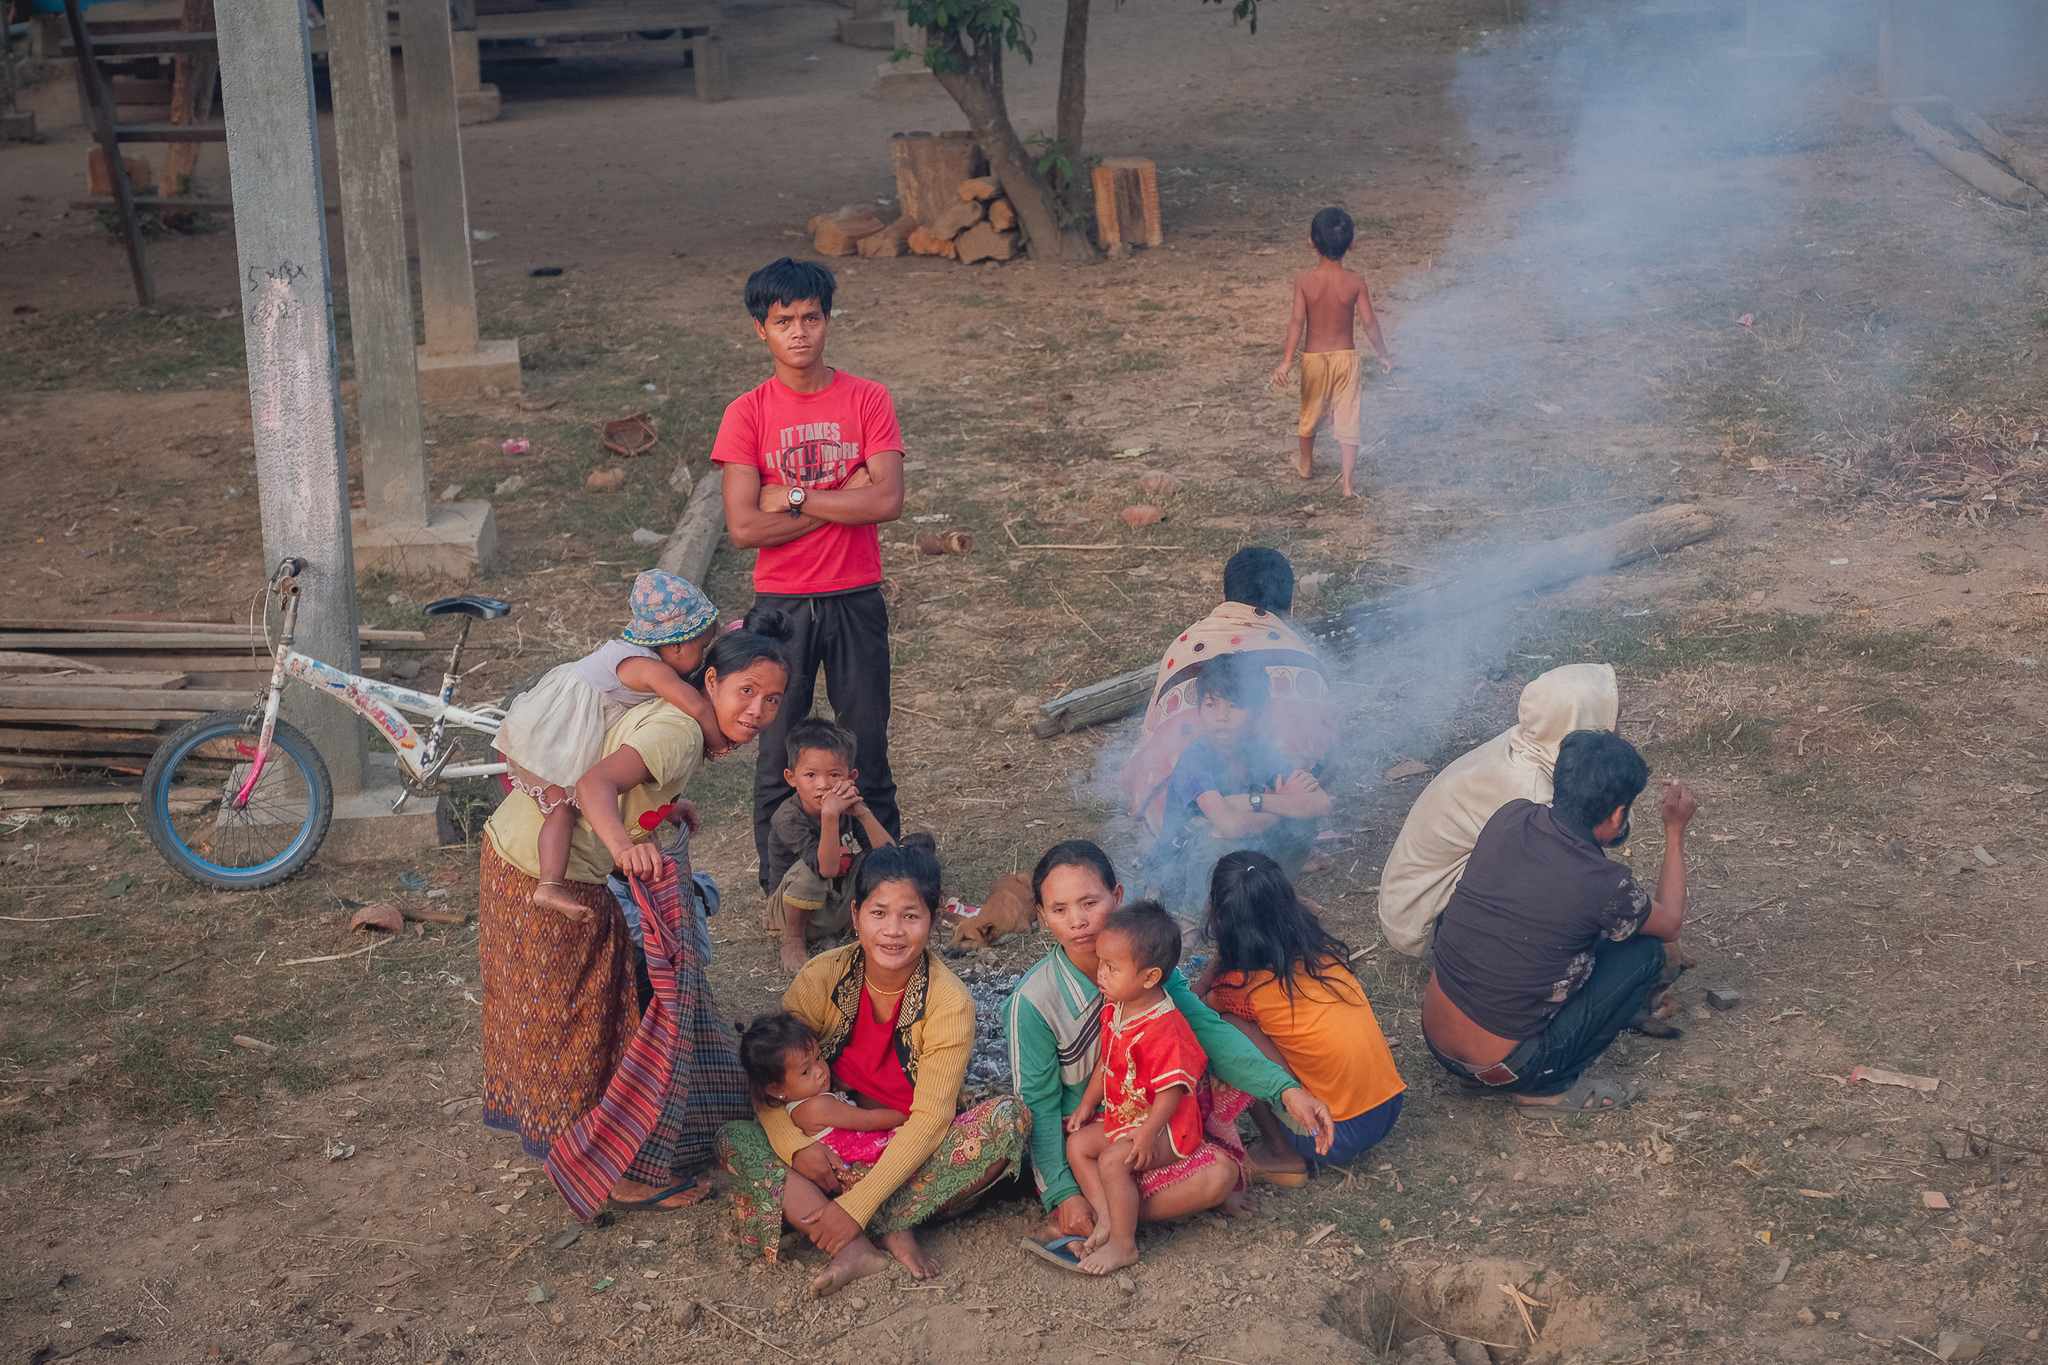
x=897, y=1028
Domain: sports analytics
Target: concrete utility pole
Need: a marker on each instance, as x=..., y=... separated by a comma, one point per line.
x=394, y=452
x=295, y=400
x=452, y=364
x=288, y=326
x=399, y=527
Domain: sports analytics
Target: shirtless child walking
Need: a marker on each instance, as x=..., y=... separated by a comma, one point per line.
x=1325, y=301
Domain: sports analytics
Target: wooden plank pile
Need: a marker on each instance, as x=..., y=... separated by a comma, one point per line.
x=101, y=695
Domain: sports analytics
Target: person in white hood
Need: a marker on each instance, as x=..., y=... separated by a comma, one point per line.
x=1428, y=858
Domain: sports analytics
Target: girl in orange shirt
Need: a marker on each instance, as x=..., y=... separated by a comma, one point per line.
x=1281, y=978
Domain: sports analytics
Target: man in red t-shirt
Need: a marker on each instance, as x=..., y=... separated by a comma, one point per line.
x=813, y=462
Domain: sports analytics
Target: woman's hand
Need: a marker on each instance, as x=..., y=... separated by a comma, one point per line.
x=1076, y=1121
x=830, y=1228
x=1076, y=1216
x=1312, y=1114
x=644, y=861
x=684, y=813
x=821, y=1166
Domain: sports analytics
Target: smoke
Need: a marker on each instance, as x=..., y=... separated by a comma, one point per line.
x=1655, y=262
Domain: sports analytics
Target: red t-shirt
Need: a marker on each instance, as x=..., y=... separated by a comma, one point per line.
x=813, y=439
x=1143, y=1056
x=868, y=1063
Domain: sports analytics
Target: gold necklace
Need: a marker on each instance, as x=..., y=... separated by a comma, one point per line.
x=876, y=990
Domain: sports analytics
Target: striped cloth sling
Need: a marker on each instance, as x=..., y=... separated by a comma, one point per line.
x=587, y=1160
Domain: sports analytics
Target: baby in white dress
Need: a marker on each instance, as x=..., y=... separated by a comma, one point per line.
x=553, y=734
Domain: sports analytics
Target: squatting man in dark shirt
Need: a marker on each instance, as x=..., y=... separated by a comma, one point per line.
x=1548, y=948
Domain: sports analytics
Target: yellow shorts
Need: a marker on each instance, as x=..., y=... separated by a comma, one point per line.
x=1329, y=385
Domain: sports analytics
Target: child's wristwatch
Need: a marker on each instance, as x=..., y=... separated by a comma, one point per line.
x=1258, y=801
x=796, y=500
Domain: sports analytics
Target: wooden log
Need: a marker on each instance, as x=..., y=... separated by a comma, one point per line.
x=1127, y=202
x=699, y=532
x=2032, y=166
x=191, y=99
x=141, y=624
x=929, y=170
x=148, y=682
x=1976, y=170
x=1538, y=568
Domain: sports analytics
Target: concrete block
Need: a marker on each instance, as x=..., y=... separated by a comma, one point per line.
x=955, y=218
x=1723, y=998
x=366, y=828
x=907, y=77
x=494, y=364
x=17, y=125
x=477, y=106
x=871, y=33
x=458, y=539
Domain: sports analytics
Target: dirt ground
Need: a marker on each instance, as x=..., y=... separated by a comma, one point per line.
x=1700, y=284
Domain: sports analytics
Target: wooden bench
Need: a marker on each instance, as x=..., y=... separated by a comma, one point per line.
x=556, y=31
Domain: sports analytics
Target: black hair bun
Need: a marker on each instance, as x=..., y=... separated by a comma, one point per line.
x=772, y=622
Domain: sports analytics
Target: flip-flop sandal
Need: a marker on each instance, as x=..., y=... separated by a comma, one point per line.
x=1579, y=1099
x=654, y=1201
x=1056, y=1251
x=1259, y=1175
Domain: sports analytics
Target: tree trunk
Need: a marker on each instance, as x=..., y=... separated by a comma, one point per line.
x=975, y=81
x=1073, y=107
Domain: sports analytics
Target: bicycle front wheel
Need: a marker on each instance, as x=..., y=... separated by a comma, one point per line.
x=188, y=802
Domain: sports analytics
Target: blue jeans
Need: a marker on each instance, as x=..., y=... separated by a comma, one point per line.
x=1354, y=1135
x=1624, y=976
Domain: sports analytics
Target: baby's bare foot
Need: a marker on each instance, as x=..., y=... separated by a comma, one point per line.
x=558, y=899
x=795, y=955
x=1110, y=1256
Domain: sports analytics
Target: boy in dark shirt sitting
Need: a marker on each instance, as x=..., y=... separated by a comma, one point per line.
x=1548, y=948
x=817, y=838
x=1230, y=790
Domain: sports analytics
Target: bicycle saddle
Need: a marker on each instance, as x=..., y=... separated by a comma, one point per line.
x=482, y=608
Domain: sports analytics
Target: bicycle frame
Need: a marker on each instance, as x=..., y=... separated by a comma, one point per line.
x=382, y=704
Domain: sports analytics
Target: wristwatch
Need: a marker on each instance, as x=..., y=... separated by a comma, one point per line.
x=796, y=500
x=1258, y=801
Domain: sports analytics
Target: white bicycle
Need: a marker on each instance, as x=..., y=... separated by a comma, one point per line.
x=240, y=799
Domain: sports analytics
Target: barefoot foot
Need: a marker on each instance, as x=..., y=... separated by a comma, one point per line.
x=557, y=898
x=1303, y=467
x=856, y=1260
x=795, y=955
x=1238, y=1204
x=1110, y=1256
x=1275, y=1160
x=921, y=1264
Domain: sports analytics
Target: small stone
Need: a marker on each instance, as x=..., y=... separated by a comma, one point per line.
x=1158, y=481
x=1805, y=1316
x=1142, y=514
x=511, y=485
x=1127, y=1284
x=1722, y=998
x=1958, y=1346
x=406, y=669
x=643, y=536
x=1466, y=1352
x=1700, y=1012
x=451, y=492
x=857, y=1303
x=602, y=479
